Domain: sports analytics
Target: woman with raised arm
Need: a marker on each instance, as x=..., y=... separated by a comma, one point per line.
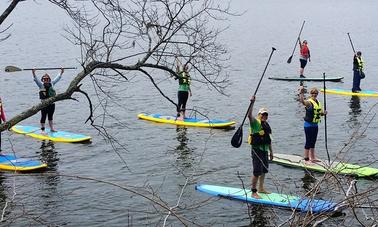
x=46, y=90
x=311, y=120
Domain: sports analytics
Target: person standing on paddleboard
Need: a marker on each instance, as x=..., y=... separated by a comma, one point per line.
x=311, y=120
x=261, y=144
x=304, y=56
x=358, y=73
x=2, y=117
x=184, y=88
x=46, y=90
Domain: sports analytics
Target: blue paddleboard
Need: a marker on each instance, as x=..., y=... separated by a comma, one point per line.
x=195, y=122
x=272, y=199
x=12, y=163
x=58, y=136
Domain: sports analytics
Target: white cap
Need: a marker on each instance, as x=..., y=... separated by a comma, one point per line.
x=263, y=110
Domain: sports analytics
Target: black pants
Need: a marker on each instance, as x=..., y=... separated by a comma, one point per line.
x=182, y=99
x=47, y=111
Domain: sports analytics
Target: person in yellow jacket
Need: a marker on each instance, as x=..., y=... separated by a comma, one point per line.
x=358, y=73
x=311, y=120
x=184, y=90
x=261, y=144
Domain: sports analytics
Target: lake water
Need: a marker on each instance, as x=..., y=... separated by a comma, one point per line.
x=161, y=158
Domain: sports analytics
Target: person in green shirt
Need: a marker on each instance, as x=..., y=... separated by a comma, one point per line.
x=261, y=144
x=184, y=88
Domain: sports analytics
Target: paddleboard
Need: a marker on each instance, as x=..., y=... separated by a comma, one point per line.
x=187, y=121
x=273, y=199
x=59, y=136
x=297, y=78
x=340, y=91
x=12, y=163
x=336, y=167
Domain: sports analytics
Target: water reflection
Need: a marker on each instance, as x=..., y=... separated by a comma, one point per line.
x=184, y=152
x=3, y=194
x=50, y=197
x=308, y=181
x=260, y=215
x=49, y=155
x=355, y=109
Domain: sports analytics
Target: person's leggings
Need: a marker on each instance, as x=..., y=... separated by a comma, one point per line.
x=311, y=136
x=48, y=111
x=182, y=99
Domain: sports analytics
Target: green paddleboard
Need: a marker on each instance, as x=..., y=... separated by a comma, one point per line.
x=323, y=166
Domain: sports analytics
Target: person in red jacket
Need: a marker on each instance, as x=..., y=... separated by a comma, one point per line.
x=2, y=118
x=304, y=56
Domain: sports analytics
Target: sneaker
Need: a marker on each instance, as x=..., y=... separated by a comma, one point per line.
x=301, y=76
x=355, y=91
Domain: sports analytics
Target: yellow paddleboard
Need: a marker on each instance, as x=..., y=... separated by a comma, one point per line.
x=339, y=91
x=187, y=121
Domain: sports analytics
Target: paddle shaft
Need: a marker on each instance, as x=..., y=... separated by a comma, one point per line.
x=325, y=117
x=258, y=85
x=296, y=41
x=53, y=68
x=351, y=43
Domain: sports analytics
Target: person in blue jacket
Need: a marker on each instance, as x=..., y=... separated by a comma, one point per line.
x=46, y=90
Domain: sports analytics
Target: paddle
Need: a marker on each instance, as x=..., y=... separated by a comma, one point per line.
x=11, y=68
x=295, y=46
x=237, y=138
x=325, y=117
x=351, y=43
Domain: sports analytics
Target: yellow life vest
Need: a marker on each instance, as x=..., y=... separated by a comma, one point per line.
x=313, y=114
x=261, y=137
x=360, y=63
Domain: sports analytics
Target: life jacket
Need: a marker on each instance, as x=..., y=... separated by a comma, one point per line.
x=263, y=136
x=313, y=113
x=184, y=78
x=47, y=91
x=305, y=52
x=358, y=63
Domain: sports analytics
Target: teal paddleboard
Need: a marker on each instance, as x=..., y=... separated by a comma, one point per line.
x=273, y=199
x=323, y=166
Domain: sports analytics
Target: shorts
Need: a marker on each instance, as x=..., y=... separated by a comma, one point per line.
x=303, y=63
x=259, y=161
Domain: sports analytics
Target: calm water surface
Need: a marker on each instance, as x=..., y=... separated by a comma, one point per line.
x=162, y=157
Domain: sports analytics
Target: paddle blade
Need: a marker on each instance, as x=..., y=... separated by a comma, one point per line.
x=237, y=138
x=11, y=68
x=289, y=60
